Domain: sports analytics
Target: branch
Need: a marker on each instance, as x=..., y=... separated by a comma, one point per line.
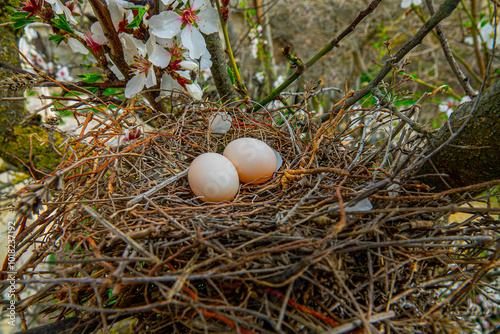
x=327, y=48
x=219, y=67
x=443, y=12
x=104, y=17
x=462, y=78
x=12, y=68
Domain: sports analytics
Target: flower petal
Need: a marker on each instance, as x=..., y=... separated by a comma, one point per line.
x=193, y=41
x=197, y=4
x=165, y=24
x=150, y=77
x=194, y=91
x=160, y=57
x=406, y=3
x=98, y=34
x=209, y=20
x=188, y=65
x=135, y=85
x=76, y=46
x=205, y=61
x=168, y=84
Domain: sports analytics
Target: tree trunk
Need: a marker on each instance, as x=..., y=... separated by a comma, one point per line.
x=474, y=155
x=11, y=111
x=16, y=139
x=219, y=67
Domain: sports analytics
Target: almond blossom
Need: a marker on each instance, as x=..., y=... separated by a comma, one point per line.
x=180, y=81
x=487, y=33
x=449, y=106
x=144, y=75
x=200, y=16
x=63, y=74
x=165, y=50
x=60, y=8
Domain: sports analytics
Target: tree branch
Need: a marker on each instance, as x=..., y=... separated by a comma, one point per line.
x=219, y=67
x=116, y=50
x=327, y=48
x=443, y=12
x=462, y=78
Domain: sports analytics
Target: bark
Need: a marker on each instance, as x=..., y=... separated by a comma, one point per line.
x=11, y=111
x=15, y=138
x=474, y=155
x=219, y=67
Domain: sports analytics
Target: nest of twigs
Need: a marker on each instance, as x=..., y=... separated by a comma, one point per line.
x=329, y=245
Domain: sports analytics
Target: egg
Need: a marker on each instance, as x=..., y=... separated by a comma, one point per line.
x=254, y=160
x=213, y=177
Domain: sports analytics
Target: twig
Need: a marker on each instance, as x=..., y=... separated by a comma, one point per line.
x=327, y=48
x=462, y=78
x=385, y=102
x=121, y=235
x=423, y=242
x=317, y=92
x=290, y=213
x=13, y=68
x=159, y=187
x=356, y=323
x=443, y=12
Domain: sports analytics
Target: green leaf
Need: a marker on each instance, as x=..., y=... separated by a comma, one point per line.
x=57, y=39
x=110, y=91
x=61, y=23
x=19, y=23
x=138, y=19
x=90, y=77
x=20, y=19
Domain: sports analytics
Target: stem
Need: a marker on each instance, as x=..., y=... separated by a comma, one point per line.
x=104, y=17
x=237, y=76
x=327, y=48
x=467, y=67
x=433, y=87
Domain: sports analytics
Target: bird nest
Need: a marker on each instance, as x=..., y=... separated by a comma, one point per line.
x=331, y=244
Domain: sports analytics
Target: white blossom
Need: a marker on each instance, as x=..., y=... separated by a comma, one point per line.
x=60, y=8
x=199, y=17
x=408, y=3
x=63, y=74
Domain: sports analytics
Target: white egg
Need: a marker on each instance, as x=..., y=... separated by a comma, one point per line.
x=254, y=160
x=213, y=177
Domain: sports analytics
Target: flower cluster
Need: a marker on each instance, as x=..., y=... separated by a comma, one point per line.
x=57, y=70
x=255, y=36
x=487, y=33
x=166, y=49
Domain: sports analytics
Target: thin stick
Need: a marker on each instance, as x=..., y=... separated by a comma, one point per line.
x=462, y=78
x=159, y=187
x=120, y=234
x=327, y=48
x=443, y=12
x=344, y=328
